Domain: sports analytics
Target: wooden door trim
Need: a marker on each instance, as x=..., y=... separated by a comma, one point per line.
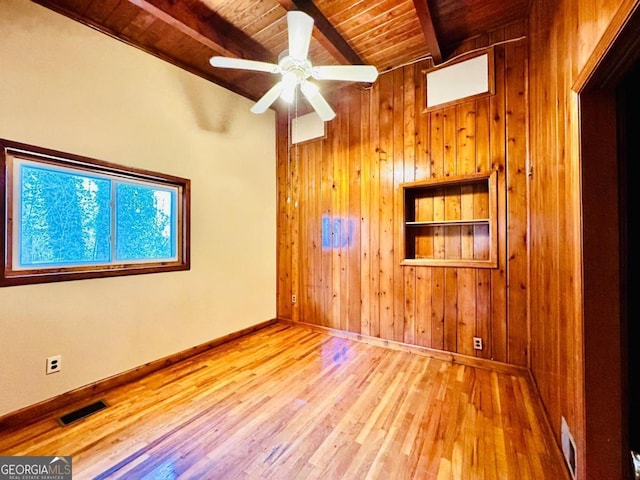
x=615, y=53
x=606, y=435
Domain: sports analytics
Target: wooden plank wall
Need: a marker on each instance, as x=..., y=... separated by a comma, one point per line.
x=340, y=212
x=563, y=35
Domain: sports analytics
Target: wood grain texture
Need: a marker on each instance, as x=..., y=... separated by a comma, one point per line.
x=359, y=196
x=62, y=402
x=289, y=402
x=565, y=39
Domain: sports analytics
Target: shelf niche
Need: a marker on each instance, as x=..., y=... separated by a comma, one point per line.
x=451, y=221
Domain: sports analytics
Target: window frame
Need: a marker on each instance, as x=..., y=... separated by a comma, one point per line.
x=10, y=276
x=491, y=80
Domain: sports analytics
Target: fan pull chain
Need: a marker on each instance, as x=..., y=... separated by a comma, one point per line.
x=289, y=144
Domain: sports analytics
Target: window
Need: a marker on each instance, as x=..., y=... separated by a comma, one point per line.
x=466, y=79
x=68, y=217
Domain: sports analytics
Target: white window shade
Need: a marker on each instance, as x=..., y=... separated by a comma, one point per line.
x=459, y=81
x=307, y=127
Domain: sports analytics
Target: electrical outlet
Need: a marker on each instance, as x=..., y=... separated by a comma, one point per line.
x=477, y=343
x=568, y=447
x=54, y=364
x=294, y=299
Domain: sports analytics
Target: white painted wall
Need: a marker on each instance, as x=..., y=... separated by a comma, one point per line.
x=67, y=87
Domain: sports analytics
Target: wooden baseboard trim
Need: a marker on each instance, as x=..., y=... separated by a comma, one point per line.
x=417, y=349
x=547, y=425
x=40, y=410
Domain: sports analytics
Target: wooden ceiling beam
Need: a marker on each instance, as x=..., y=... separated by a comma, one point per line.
x=198, y=21
x=429, y=31
x=328, y=37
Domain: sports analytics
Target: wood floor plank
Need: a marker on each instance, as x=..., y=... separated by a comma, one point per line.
x=290, y=402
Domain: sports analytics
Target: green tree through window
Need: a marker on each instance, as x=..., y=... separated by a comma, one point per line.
x=69, y=218
x=64, y=217
x=144, y=227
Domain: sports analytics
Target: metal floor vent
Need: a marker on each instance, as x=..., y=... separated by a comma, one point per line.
x=82, y=412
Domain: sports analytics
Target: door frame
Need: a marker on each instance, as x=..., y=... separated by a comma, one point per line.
x=604, y=315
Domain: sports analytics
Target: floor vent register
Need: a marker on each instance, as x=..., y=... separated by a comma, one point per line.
x=82, y=412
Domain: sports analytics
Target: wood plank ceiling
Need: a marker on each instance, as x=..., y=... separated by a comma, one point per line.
x=385, y=33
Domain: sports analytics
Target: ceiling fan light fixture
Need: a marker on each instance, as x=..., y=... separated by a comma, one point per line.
x=295, y=68
x=288, y=94
x=289, y=81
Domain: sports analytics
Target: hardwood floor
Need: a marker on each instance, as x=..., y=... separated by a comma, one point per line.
x=287, y=402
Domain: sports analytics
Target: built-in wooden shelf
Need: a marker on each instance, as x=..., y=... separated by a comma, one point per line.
x=478, y=221
x=451, y=221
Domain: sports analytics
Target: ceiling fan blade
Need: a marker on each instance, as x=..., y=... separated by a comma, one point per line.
x=300, y=27
x=268, y=98
x=243, y=64
x=317, y=101
x=349, y=73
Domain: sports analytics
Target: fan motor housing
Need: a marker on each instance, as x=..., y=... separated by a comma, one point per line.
x=301, y=68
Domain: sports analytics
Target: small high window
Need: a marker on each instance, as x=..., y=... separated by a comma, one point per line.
x=68, y=217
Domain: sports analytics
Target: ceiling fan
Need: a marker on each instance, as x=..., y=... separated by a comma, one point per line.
x=295, y=69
